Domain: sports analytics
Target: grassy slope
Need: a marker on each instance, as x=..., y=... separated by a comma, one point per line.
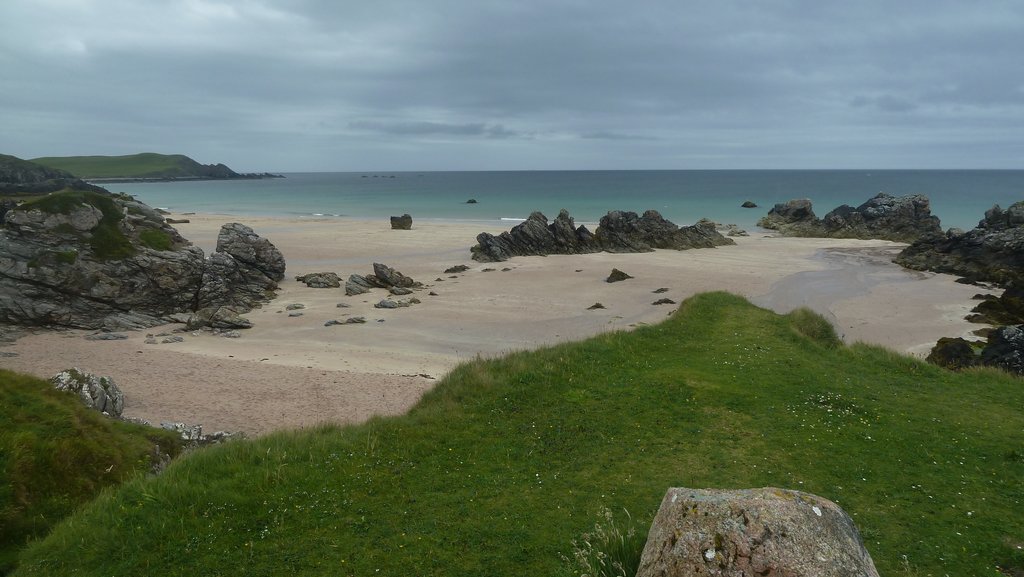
x=55, y=455
x=500, y=467
x=144, y=165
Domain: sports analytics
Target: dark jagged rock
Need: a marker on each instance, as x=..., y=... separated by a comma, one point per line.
x=386, y=277
x=595, y=307
x=403, y=222
x=535, y=237
x=664, y=302
x=752, y=532
x=471, y=201
x=320, y=280
x=94, y=260
x=748, y=204
x=953, y=353
x=617, y=276
x=455, y=269
x=357, y=285
x=991, y=252
x=619, y=231
x=1005, y=349
x=1006, y=309
x=901, y=219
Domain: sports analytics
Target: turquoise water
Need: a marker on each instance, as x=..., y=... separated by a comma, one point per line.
x=959, y=197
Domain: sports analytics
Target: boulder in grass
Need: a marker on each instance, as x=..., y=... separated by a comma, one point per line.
x=754, y=532
x=98, y=393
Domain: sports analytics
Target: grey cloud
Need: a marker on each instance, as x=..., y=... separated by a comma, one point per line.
x=435, y=128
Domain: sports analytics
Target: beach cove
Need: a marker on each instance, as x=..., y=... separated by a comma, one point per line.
x=293, y=371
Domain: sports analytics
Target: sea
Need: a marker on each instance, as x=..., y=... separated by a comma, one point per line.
x=958, y=197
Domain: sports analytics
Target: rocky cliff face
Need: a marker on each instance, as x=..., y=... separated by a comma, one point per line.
x=618, y=231
x=19, y=176
x=991, y=252
x=901, y=219
x=93, y=260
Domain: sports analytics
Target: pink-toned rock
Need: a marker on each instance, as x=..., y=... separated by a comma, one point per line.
x=765, y=532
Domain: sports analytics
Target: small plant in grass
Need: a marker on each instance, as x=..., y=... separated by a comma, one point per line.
x=609, y=550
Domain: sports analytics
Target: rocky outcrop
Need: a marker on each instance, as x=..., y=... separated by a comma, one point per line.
x=383, y=277
x=99, y=393
x=953, y=353
x=93, y=260
x=618, y=232
x=403, y=222
x=752, y=533
x=991, y=252
x=320, y=280
x=900, y=219
x=22, y=177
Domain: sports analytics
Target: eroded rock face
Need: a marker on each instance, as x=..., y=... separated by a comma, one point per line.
x=1005, y=349
x=619, y=231
x=752, y=533
x=95, y=260
x=991, y=252
x=99, y=393
x=901, y=219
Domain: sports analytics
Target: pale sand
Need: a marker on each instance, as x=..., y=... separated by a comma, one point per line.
x=290, y=372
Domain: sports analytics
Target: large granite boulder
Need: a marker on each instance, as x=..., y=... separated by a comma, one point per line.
x=751, y=533
x=618, y=231
x=901, y=219
x=99, y=393
x=991, y=252
x=93, y=260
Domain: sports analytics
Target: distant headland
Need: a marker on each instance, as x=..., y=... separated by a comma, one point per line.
x=144, y=167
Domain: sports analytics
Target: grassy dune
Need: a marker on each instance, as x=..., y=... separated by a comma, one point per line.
x=55, y=455
x=507, y=461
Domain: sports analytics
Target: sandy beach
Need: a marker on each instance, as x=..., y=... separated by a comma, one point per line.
x=292, y=371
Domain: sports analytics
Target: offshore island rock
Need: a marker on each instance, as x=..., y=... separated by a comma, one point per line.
x=92, y=260
x=617, y=232
x=900, y=219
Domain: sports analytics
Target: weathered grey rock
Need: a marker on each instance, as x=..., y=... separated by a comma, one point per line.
x=752, y=533
x=1005, y=349
x=357, y=285
x=243, y=272
x=471, y=201
x=320, y=280
x=355, y=320
x=97, y=260
x=106, y=337
x=621, y=231
x=174, y=339
x=100, y=393
x=218, y=318
x=456, y=269
x=399, y=291
x=386, y=277
x=294, y=306
x=991, y=252
x=403, y=222
x=901, y=219
x=342, y=305
x=617, y=276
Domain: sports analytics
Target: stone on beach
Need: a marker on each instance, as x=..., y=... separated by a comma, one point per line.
x=403, y=222
x=900, y=219
x=617, y=276
x=320, y=280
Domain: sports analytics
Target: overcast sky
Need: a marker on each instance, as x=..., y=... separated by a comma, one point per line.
x=295, y=85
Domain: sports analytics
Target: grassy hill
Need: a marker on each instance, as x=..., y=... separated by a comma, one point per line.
x=55, y=454
x=143, y=165
x=507, y=461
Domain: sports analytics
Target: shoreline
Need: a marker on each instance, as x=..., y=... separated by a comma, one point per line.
x=292, y=371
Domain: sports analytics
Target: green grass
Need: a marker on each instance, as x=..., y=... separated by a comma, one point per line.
x=144, y=165
x=55, y=454
x=155, y=239
x=499, y=468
